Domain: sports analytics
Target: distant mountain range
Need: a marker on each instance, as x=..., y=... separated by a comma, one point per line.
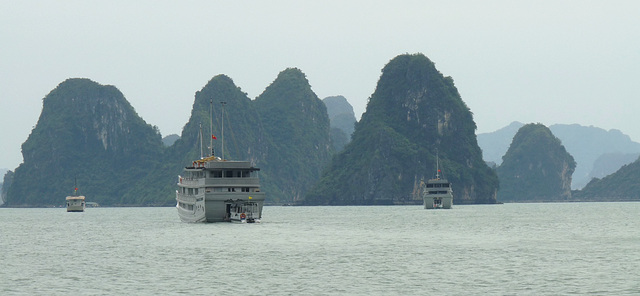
x=310, y=151
x=623, y=185
x=89, y=132
x=169, y=140
x=590, y=146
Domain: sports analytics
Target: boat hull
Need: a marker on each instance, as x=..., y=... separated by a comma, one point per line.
x=213, y=207
x=75, y=204
x=438, y=202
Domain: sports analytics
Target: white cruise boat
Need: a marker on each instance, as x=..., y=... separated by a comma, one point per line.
x=213, y=189
x=437, y=192
x=75, y=202
x=217, y=190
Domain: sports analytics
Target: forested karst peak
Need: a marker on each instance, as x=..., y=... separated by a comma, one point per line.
x=413, y=95
x=90, y=131
x=290, y=87
x=86, y=131
x=220, y=92
x=298, y=146
x=536, y=167
x=585, y=143
x=414, y=114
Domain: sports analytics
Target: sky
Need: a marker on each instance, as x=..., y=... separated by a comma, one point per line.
x=530, y=61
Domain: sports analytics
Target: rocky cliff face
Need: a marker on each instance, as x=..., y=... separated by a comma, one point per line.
x=536, y=167
x=414, y=115
x=88, y=132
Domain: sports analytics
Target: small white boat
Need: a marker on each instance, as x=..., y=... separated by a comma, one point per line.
x=245, y=212
x=75, y=202
x=437, y=193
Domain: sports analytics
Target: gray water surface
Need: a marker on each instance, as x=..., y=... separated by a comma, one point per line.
x=510, y=249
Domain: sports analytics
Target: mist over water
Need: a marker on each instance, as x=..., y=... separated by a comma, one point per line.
x=510, y=249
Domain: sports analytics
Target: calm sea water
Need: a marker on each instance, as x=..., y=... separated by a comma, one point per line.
x=510, y=249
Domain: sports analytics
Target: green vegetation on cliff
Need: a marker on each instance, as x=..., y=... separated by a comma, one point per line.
x=285, y=132
x=298, y=145
x=536, y=167
x=414, y=115
x=90, y=132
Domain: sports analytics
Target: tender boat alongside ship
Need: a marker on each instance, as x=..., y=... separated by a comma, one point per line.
x=213, y=189
x=437, y=192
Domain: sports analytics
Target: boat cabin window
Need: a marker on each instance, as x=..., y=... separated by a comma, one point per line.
x=195, y=175
x=232, y=174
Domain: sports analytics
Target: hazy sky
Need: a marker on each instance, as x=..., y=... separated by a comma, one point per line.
x=531, y=61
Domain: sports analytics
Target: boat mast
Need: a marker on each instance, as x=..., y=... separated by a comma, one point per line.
x=211, y=126
x=200, y=135
x=437, y=166
x=222, y=134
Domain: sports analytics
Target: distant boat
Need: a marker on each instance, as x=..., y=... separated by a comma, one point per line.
x=213, y=189
x=437, y=193
x=75, y=202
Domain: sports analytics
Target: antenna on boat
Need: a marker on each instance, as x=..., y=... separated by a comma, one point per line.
x=200, y=135
x=437, y=167
x=223, y=103
x=211, y=126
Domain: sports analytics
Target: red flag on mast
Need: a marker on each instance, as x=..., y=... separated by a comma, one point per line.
x=213, y=137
